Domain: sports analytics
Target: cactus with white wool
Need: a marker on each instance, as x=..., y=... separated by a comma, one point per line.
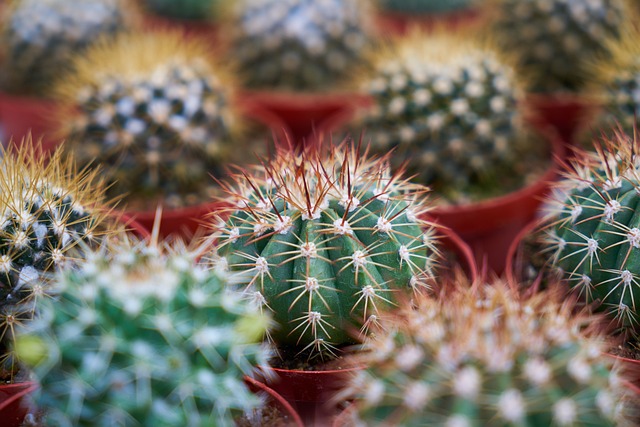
x=482, y=358
x=142, y=335
x=325, y=240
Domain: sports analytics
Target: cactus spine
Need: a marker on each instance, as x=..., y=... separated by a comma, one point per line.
x=141, y=335
x=324, y=241
x=483, y=359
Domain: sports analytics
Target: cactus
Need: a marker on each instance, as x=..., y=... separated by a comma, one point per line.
x=592, y=236
x=141, y=335
x=188, y=10
x=450, y=108
x=40, y=36
x=152, y=109
x=561, y=36
x=325, y=240
x=425, y=6
x=297, y=44
x=482, y=358
x=47, y=208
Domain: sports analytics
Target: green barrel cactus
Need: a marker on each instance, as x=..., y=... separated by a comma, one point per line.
x=141, y=335
x=483, y=359
x=153, y=109
x=193, y=10
x=448, y=107
x=425, y=6
x=297, y=44
x=593, y=236
x=324, y=241
x=39, y=37
x=554, y=40
x=46, y=208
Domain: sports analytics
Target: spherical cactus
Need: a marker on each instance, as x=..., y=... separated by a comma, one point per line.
x=297, y=44
x=425, y=6
x=189, y=9
x=46, y=209
x=324, y=241
x=448, y=107
x=40, y=36
x=560, y=36
x=141, y=335
x=593, y=236
x=481, y=358
x=154, y=110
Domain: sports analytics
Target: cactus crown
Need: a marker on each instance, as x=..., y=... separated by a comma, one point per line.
x=298, y=44
x=324, y=240
x=449, y=106
x=482, y=358
x=140, y=334
x=153, y=109
x=40, y=36
x=593, y=235
x=46, y=209
x=561, y=36
x=184, y=9
x=425, y=6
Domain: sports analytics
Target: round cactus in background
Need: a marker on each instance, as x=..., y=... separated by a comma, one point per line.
x=46, y=209
x=184, y=9
x=154, y=111
x=594, y=237
x=38, y=38
x=297, y=44
x=554, y=40
x=425, y=6
x=483, y=359
x=324, y=241
x=141, y=335
x=447, y=106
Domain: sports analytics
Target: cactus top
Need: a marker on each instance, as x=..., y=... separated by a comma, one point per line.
x=426, y=6
x=593, y=232
x=154, y=110
x=39, y=37
x=555, y=39
x=324, y=240
x=449, y=105
x=481, y=358
x=298, y=44
x=197, y=10
x=141, y=335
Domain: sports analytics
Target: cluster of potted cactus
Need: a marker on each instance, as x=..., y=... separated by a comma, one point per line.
x=301, y=212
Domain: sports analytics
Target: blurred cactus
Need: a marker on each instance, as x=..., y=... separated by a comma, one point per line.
x=425, y=6
x=593, y=236
x=449, y=108
x=38, y=38
x=154, y=110
x=324, y=241
x=297, y=44
x=554, y=40
x=183, y=9
x=47, y=208
x=141, y=335
x=482, y=359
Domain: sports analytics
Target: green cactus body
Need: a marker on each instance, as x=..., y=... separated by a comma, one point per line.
x=324, y=242
x=143, y=336
x=449, y=106
x=594, y=237
x=154, y=112
x=298, y=44
x=458, y=363
x=184, y=9
x=560, y=36
x=39, y=37
x=425, y=6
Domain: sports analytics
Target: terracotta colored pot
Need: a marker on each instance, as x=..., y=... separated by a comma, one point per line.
x=452, y=242
x=21, y=115
x=13, y=404
x=276, y=400
x=399, y=23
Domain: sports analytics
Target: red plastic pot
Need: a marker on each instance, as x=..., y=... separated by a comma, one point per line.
x=13, y=403
x=21, y=115
x=276, y=400
x=401, y=23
